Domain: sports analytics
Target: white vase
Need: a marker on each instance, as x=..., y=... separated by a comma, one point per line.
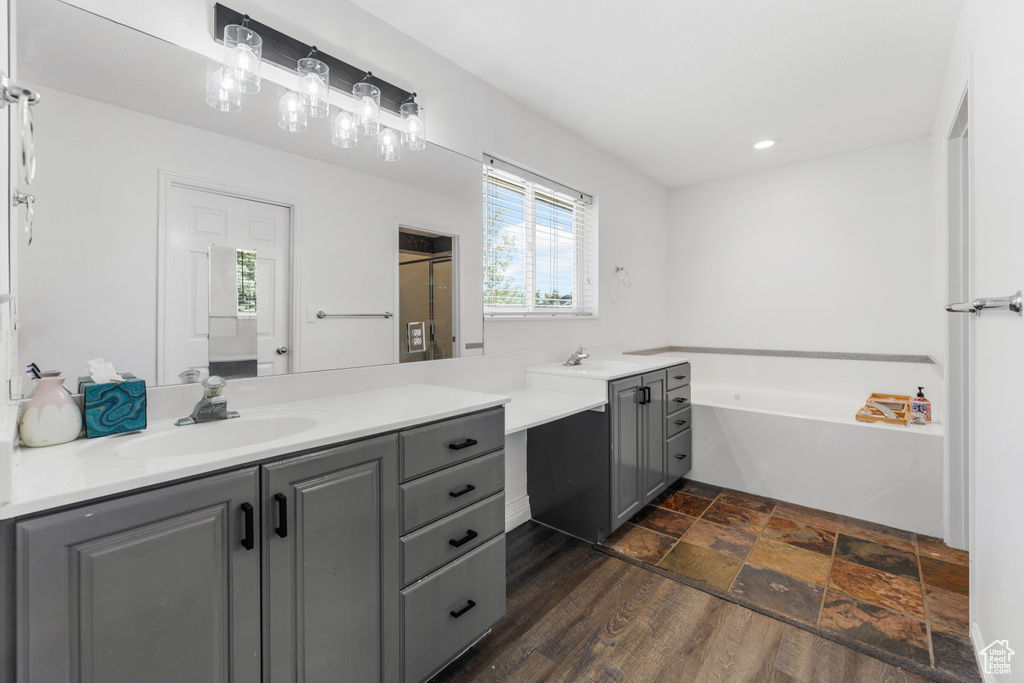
x=51, y=417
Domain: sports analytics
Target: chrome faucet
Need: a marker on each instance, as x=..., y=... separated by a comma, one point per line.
x=212, y=406
x=577, y=357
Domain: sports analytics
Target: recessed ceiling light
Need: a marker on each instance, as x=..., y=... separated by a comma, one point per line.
x=765, y=144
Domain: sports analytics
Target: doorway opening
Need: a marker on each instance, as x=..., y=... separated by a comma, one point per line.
x=425, y=295
x=960, y=332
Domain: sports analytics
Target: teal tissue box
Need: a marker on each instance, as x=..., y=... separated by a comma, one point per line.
x=114, y=407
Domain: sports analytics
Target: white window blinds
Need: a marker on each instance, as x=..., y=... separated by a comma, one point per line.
x=539, y=245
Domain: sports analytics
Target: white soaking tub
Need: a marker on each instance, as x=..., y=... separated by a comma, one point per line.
x=785, y=428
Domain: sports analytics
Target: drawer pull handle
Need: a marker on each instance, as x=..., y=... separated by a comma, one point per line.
x=456, y=494
x=680, y=422
x=282, y=515
x=681, y=457
x=681, y=400
x=470, y=535
x=465, y=444
x=462, y=611
x=249, y=539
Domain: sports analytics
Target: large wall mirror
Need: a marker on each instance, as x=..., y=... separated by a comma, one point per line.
x=137, y=178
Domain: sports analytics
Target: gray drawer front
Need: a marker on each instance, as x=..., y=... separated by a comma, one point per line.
x=425, y=550
x=677, y=422
x=434, y=496
x=677, y=399
x=432, y=636
x=435, y=446
x=680, y=445
x=678, y=376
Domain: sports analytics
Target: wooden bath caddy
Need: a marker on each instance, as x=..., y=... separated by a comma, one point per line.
x=902, y=410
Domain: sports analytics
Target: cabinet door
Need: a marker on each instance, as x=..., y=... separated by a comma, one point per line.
x=157, y=586
x=627, y=466
x=330, y=529
x=653, y=429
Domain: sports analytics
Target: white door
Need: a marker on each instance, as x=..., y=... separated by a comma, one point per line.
x=194, y=220
x=960, y=331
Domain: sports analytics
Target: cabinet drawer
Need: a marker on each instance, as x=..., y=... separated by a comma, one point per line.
x=425, y=550
x=677, y=399
x=677, y=422
x=432, y=634
x=435, y=495
x=678, y=376
x=680, y=454
x=435, y=446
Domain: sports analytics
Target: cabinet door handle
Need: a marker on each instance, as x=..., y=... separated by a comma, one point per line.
x=681, y=456
x=456, y=494
x=465, y=444
x=249, y=538
x=282, y=515
x=680, y=400
x=647, y=394
x=680, y=422
x=640, y=396
x=470, y=605
x=470, y=535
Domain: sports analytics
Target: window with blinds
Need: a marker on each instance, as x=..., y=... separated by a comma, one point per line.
x=539, y=245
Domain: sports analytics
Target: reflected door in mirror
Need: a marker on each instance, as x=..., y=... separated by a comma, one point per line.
x=196, y=220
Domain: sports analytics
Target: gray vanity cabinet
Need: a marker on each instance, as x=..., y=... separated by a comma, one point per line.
x=329, y=520
x=588, y=473
x=639, y=469
x=159, y=586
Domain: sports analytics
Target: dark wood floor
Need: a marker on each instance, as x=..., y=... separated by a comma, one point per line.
x=577, y=614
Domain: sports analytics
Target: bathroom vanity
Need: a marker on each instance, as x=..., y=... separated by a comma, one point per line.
x=589, y=473
x=367, y=548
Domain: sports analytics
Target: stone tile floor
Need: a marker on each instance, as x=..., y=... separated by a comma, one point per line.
x=901, y=594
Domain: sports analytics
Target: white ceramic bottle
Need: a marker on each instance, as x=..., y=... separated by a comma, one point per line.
x=52, y=416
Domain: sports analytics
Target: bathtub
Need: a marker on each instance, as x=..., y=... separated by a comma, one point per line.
x=785, y=428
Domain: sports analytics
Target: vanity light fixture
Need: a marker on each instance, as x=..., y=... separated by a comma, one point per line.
x=248, y=43
x=388, y=147
x=414, y=132
x=367, y=97
x=765, y=144
x=243, y=55
x=314, y=76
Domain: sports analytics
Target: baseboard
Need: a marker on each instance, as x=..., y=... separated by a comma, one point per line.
x=517, y=512
x=978, y=642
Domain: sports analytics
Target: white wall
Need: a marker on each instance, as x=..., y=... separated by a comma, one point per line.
x=826, y=255
x=470, y=117
x=92, y=266
x=988, y=48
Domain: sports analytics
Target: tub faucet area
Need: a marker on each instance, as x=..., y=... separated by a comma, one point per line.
x=212, y=406
x=577, y=357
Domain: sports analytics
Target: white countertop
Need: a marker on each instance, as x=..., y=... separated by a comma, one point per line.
x=610, y=367
x=44, y=478
x=530, y=407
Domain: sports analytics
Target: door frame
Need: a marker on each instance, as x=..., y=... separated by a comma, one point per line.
x=959, y=209
x=169, y=180
x=413, y=224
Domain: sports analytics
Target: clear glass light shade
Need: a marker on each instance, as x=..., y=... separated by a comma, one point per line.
x=388, y=146
x=414, y=132
x=367, y=108
x=343, y=130
x=314, y=76
x=243, y=54
x=291, y=115
x=219, y=95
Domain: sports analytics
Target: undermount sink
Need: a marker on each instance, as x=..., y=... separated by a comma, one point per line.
x=206, y=437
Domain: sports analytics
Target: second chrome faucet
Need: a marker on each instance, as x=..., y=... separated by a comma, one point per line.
x=212, y=406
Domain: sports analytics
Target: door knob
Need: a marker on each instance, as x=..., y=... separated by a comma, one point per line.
x=281, y=350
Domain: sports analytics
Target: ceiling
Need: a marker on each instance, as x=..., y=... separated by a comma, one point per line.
x=681, y=89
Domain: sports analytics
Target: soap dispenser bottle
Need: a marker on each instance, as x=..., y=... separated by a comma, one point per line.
x=920, y=408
